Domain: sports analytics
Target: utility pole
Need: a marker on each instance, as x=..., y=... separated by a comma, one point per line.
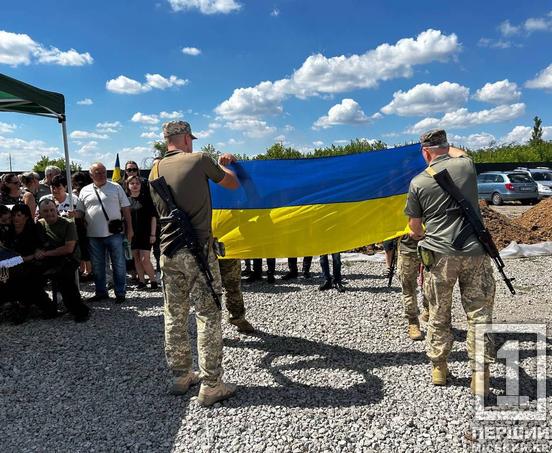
x=9, y=155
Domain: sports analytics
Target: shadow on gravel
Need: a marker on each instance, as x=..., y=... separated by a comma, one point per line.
x=97, y=386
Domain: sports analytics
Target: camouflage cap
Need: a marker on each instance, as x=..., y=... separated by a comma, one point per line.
x=177, y=128
x=434, y=137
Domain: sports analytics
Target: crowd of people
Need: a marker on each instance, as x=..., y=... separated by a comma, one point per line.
x=103, y=224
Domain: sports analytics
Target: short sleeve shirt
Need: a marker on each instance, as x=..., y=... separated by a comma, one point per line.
x=188, y=175
x=113, y=199
x=64, y=207
x=428, y=201
x=57, y=234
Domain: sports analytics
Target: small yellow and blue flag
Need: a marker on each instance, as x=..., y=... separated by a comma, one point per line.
x=116, y=176
x=305, y=207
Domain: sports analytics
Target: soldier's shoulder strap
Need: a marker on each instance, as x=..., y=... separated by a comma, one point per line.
x=431, y=171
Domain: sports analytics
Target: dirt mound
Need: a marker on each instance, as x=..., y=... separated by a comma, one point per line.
x=538, y=219
x=504, y=231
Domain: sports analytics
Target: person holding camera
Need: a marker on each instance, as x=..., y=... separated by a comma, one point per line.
x=105, y=206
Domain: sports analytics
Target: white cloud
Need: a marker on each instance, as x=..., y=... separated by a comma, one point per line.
x=80, y=135
x=348, y=112
x=31, y=150
x=151, y=135
x=162, y=83
x=542, y=80
x=522, y=134
x=320, y=75
x=473, y=141
x=85, y=101
x=425, y=98
x=108, y=125
x=280, y=138
x=531, y=25
x=206, y=6
x=68, y=58
x=203, y=134
x=507, y=29
x=462, y=118
x=125, y=85
x=318, y=143
x=494, y=43
x=88, y=148
x=6, y=128
x=275, y=12
x=171, y=115
x=139, y=117
x=250, y=127
x=16, y=49
x=193, y=51
x=501, y=92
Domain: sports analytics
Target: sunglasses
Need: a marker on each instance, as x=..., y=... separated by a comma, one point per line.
x=131, y=169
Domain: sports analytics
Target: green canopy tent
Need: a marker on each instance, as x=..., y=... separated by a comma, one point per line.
x=20, y=97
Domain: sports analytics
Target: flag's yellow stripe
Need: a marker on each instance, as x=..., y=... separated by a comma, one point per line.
x=308, y=230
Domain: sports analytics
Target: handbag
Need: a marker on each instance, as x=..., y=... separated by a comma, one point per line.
x=114, y=226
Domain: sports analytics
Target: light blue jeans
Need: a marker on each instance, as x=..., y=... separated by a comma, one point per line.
x=99, y=247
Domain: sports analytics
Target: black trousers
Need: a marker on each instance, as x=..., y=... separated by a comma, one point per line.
x=292, y=264
x=258, y=266
x=63, y=280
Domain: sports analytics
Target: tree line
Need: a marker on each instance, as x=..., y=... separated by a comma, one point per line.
x=536, y=150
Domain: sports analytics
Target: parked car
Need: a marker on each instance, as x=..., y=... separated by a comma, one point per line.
x=543, y=177
x=500, y=186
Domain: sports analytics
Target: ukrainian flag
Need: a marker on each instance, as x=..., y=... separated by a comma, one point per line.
x=304, y=207
x=116, y=176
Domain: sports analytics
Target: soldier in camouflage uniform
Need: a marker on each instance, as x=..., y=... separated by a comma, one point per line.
x=187, y=175
x=230, y=272
x=408, y=268
x=445, y=264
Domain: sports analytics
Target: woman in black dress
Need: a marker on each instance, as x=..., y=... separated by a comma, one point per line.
x=144, y=224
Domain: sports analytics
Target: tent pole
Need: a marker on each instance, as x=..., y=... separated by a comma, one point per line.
x=67, y=162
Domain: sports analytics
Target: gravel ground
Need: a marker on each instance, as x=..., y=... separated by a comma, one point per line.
x=325, y=372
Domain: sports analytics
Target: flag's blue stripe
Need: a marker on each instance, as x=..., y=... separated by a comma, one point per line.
x=340, y=179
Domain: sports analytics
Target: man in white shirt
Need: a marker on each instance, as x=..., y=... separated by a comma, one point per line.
x=105, y=204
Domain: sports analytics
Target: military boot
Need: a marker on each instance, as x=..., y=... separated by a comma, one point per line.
x=243, y=325
x=414, y=331
x=480, y=382
x=211, y=395
x=439, y=373
x=181, y=384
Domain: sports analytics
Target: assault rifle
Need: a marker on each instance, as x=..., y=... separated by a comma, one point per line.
x=393, y=266
x=472, y=223
x=186, y=236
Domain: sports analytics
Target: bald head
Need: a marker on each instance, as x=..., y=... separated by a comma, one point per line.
x=98, y=173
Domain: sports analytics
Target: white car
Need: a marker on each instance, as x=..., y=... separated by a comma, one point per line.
x=543, y=178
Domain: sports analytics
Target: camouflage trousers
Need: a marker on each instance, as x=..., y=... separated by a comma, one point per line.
x=230, y=273
x=408, y=267
x=477, y=289
x=183, y=282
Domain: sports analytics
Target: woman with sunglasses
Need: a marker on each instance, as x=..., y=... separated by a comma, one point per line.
x=11, y=189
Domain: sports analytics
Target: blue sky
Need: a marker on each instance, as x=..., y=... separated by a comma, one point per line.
x=246, y=74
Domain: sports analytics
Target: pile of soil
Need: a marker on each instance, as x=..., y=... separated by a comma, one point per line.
x=504, y=231
x=538, y=219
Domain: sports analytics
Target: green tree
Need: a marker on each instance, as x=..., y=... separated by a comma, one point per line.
x=211, y=150
x=536, y=133
x=160, y=148
x=279, y=151
x=45, y=161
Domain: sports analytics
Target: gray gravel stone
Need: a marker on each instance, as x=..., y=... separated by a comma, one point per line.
x=325, y=372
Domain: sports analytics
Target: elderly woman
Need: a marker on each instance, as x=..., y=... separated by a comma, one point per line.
x=30, y=182
x=25, y=238
x=59, y=195
x=61, y=257
x=11, y=189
